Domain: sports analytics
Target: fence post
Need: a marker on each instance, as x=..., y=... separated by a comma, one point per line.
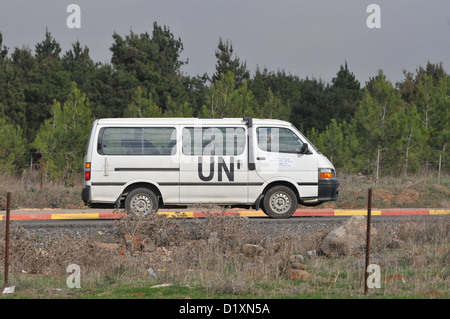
x=8, y=206
x=369, y=213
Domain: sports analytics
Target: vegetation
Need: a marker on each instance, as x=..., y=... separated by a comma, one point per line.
x=48, y=98
x=413, y=256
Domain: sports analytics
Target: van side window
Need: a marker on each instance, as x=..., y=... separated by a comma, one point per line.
x=138, y=141
x=213, y=140
x=280, y=140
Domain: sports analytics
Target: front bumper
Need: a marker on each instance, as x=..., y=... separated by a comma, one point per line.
x=328, y=189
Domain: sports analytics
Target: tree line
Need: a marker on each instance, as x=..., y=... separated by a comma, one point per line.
x=48, y=100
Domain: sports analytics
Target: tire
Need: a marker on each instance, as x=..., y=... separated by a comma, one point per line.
x=280, y=202
x=141, y=202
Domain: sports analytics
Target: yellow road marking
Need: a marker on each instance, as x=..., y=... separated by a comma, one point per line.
x=339, y=212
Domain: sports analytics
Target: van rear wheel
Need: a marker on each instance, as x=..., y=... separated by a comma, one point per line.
x=280, y=202
x=141, y=202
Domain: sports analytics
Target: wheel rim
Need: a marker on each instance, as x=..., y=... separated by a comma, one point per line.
x=280, y=203
x=141, y=205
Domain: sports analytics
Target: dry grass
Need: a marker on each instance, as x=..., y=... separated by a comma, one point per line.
x=28, y=193
x=413, y=255
x=420, y=191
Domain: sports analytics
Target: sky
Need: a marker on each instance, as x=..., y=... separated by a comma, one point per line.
x=307, y=38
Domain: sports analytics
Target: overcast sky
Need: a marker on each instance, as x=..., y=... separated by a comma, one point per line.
x=308, y=38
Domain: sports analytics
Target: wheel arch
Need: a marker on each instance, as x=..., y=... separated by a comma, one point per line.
x=148, y=185
x=277, y=183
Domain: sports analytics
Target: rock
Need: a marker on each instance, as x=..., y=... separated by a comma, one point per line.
x=297, y=265
x=148, y=245
x=347, y=239
x=312, y=253
x=251, y=250
x=296, y=258
x=296, y=274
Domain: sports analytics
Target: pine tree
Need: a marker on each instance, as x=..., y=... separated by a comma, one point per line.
x=142, y=106
x=43, y=79
x=3, y=49
x=228, y=100
x=343, y=95
x=153, y=61
x=12, y=148
x=274, y=108
x=333, y=142
x=377, y=127
x=63, y=137
x=227, y=63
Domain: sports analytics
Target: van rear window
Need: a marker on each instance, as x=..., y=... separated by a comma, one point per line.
x=137, y=141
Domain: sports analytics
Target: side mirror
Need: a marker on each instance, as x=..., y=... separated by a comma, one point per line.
x=304, y=149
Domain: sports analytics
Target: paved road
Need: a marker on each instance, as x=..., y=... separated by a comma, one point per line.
x=74, y=214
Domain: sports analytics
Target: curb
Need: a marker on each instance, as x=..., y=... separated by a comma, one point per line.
x=238, y=213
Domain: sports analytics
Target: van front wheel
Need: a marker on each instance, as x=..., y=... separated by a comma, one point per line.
x=280, y=202
x=141, y=201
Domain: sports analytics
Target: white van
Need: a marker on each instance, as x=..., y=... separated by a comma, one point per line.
x=143, y=164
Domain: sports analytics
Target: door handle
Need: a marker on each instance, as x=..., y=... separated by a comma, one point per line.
x=260, y=158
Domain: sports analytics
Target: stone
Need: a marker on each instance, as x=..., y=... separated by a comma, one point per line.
x=251, y=250
x=312, y=253
x=298, y=258
x=149, y=245
x=297, y=265
x=347, y=239
x=297, y=274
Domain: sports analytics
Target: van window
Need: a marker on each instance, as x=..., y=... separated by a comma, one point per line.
x=138, y=141
x=213, y=140
x=281, y=140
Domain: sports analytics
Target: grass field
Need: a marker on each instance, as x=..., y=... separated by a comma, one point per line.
x=413, y=255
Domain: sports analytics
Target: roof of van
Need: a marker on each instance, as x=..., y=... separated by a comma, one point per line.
x=191, y=121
